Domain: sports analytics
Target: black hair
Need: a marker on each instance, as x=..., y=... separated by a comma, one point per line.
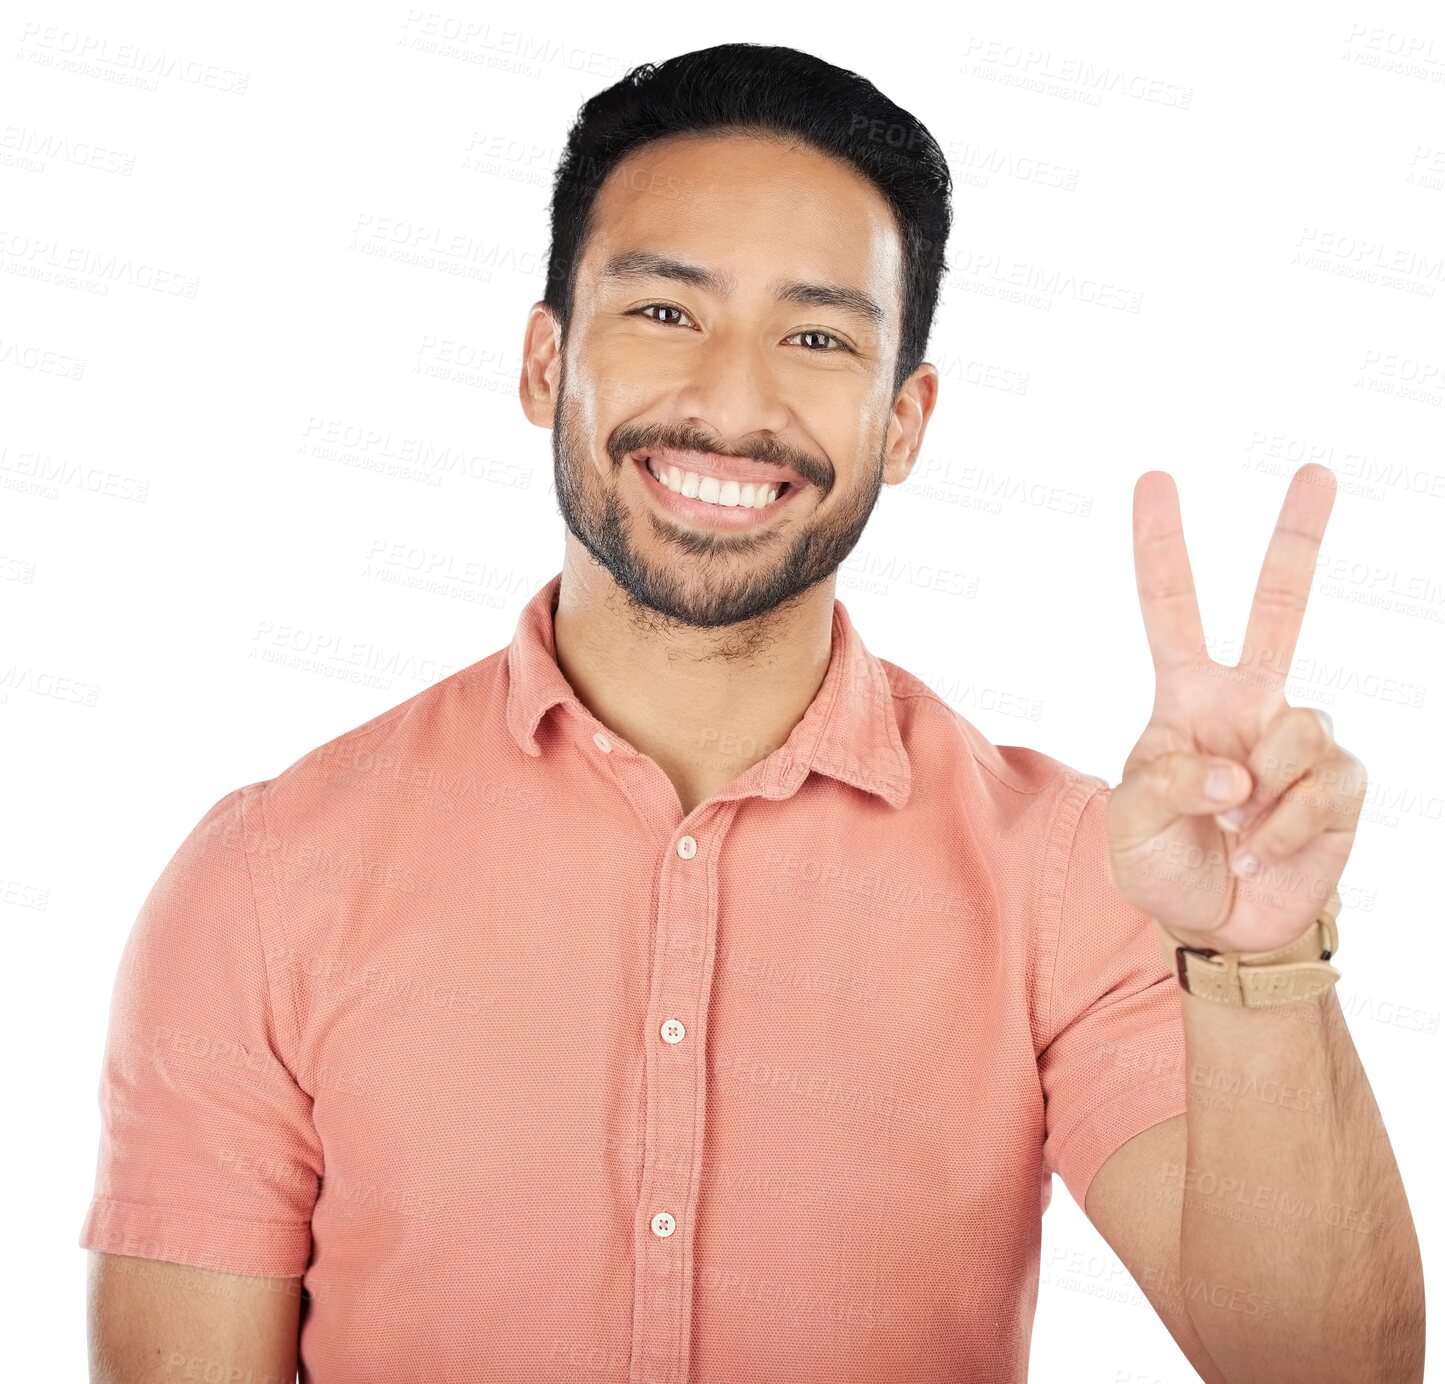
x=772, y=91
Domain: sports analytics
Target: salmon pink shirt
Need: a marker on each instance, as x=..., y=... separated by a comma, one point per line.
x=528, y=1076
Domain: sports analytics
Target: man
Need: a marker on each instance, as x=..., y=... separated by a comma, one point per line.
x=682, y=993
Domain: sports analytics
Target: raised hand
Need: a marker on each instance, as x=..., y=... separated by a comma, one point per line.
x=1289, y=797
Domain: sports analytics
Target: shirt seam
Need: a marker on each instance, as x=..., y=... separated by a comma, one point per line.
x=926, y=695
x=291, y=1036
x=1066, y=827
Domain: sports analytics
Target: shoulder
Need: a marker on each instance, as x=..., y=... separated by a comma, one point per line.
x=398, y=755
x=1018, y=783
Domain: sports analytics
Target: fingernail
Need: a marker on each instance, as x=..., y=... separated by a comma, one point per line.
x=1231, y=820
x=1220, y=783
x=1245, y=864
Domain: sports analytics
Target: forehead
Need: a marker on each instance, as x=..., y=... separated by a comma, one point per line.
x=754, y=207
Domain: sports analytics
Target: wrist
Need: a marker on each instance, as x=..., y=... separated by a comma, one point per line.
x=1297, y=971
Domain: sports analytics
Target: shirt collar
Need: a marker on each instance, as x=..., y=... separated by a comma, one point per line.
x=848, y=732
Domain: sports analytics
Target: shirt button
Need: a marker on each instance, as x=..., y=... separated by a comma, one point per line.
x=663, y=1225
x=672, y=1031
x=687, y=848
x=602, y=742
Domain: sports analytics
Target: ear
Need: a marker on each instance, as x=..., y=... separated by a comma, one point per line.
x=541, y=366
x=911, y=412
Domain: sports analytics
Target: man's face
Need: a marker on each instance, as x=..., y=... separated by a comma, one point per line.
x=684, y=352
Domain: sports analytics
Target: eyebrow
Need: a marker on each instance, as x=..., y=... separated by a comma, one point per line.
x=643, y=264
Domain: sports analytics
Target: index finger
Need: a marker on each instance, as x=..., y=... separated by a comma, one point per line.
x=1284, y=580
x=1163, y=575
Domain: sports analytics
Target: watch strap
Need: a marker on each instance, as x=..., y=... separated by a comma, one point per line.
x=1297, y=971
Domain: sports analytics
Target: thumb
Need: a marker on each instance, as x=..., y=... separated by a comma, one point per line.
x=1176, y=784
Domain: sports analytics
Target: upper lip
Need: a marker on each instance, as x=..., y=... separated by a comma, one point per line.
x=740, y=469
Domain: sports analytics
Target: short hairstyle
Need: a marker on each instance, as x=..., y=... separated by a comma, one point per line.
x=768, y=90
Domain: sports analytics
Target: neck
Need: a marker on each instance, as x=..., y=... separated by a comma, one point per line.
x=704, y=704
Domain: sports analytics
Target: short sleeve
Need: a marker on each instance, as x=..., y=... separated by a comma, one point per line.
x=1114, y=1062
x=208, y=1155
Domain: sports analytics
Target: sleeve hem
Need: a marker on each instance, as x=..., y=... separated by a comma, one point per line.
x=1106, y=1129
x=224, y=1244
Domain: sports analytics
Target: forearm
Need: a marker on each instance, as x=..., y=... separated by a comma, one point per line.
x=1291, y=1196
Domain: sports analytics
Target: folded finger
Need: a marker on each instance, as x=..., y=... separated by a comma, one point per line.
x=1294, y=742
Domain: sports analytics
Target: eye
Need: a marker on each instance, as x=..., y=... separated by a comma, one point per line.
x=814, y=331
x=647, y=307
x=839, y=343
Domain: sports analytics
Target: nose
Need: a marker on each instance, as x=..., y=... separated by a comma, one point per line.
x=732, y=388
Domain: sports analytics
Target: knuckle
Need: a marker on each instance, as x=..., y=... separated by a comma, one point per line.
x=1158, y=775
x=1275, y=767
x=1356, y=779
x=1265, y=843
x=1345, y=777
x=1312, y=728
x=1176, y=769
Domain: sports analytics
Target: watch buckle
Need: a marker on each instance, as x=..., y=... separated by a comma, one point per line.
x=1179, y=951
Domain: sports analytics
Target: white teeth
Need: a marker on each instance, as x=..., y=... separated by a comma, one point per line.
x=724, y=494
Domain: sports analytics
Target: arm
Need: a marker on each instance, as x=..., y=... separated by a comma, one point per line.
x=1231, y=827
x=1143, y=1230
x=1268, y=1225
x=151, y=1321
x=208, y=1154
x=1323, y=1225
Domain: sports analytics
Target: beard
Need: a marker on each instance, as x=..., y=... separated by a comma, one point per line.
x=705, y=579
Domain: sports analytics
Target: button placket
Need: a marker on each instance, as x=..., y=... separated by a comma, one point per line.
x=662, y=1306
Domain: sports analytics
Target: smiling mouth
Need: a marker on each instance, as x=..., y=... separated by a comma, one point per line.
x=708, y=490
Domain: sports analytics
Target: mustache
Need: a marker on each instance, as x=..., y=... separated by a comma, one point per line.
x=625, y=441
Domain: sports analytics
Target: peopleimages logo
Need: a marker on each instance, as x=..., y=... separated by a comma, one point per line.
x=1069, y=79
x=130, y=64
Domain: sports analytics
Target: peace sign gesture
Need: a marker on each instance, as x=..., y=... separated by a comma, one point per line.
x=1290, y=797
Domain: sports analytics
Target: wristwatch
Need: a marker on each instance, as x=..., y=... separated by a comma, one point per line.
x=1257, y=980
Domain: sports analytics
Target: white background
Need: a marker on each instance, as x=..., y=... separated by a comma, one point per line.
x=263, y=473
